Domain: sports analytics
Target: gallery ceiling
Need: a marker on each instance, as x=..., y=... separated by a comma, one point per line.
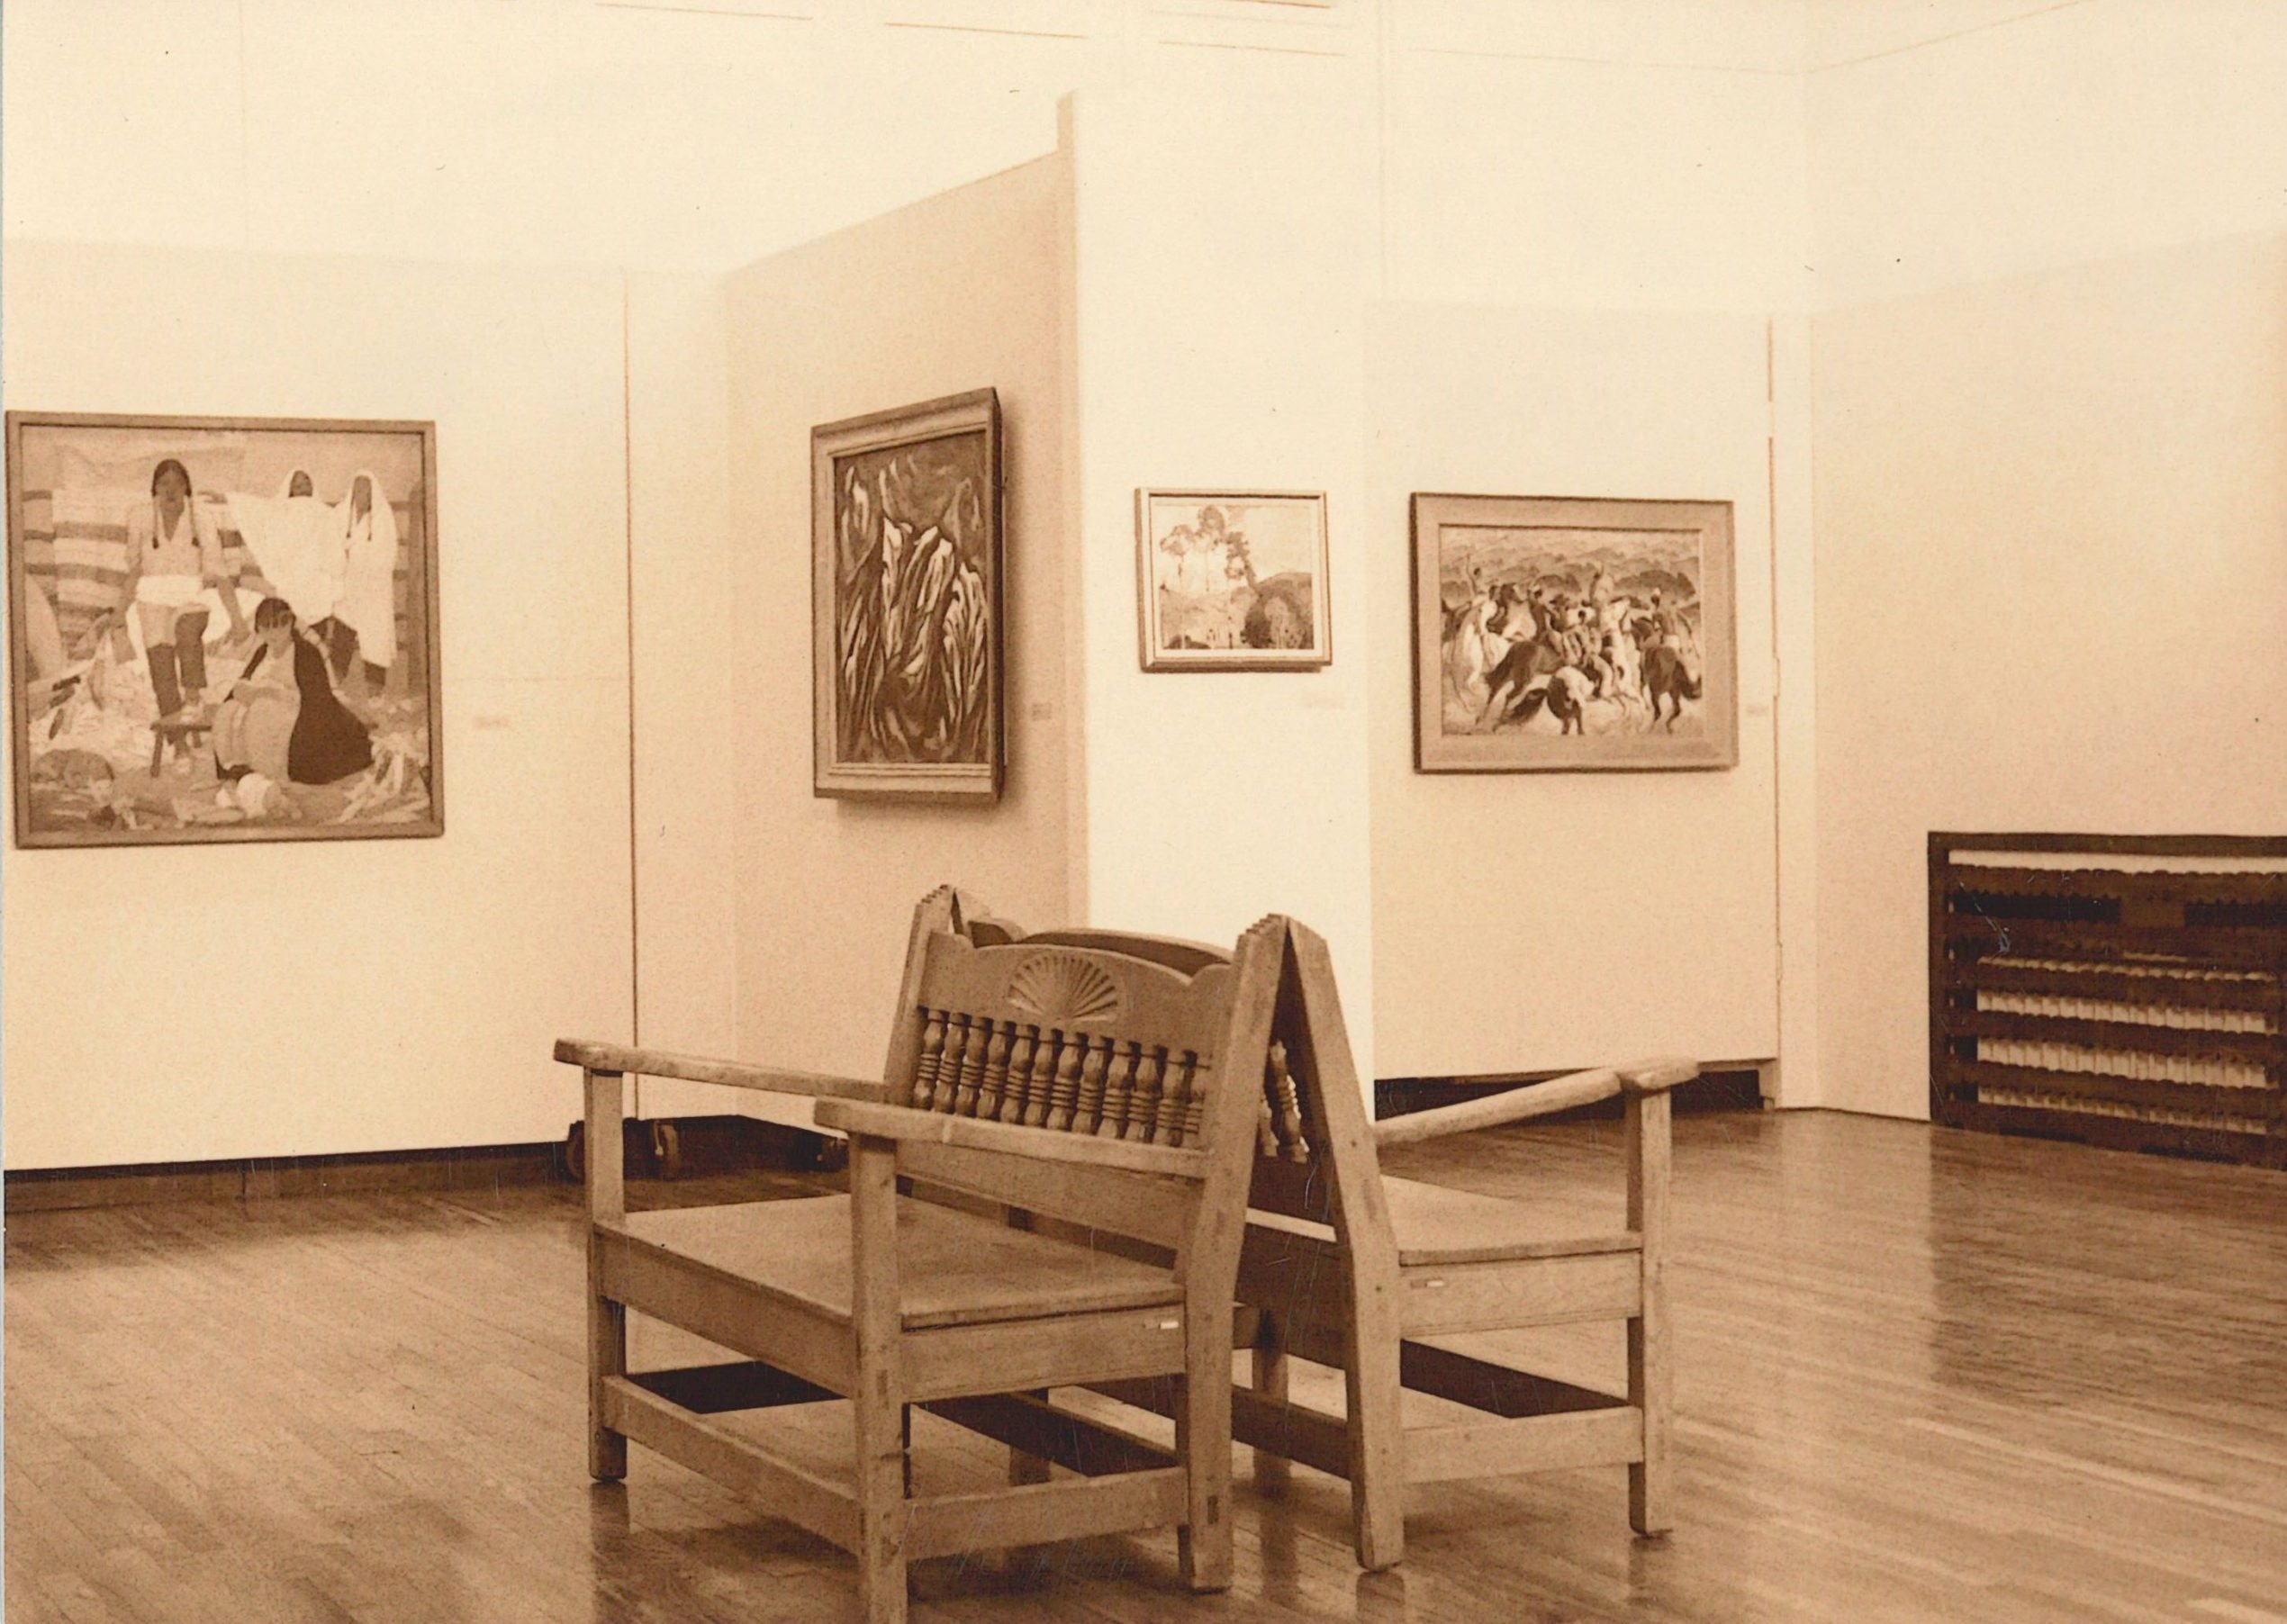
x=704, y=133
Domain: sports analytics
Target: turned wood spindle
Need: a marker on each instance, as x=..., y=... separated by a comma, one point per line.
x=1016, y=1095
x=1042, y=1083
x=1175, y=1095
x=949, y=1068
x=932, y=1048
x=1195, y=1103
x=1282, y=1082
x=1064, y=1092
x=1089, y=1112
x=1143, y=1109
x=972, y=1066
x=1119, y=1089
x=996, y=1081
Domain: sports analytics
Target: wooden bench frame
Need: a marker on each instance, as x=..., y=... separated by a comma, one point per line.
x=992, y=1376
x=1322, y=1278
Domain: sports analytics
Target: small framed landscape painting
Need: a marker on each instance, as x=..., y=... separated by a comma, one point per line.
x=1232, y=581
x=223, y=629
x=905, y=515
x=1572, y=634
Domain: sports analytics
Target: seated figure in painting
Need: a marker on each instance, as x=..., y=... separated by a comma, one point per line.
x=175, y=575
x=283, y=718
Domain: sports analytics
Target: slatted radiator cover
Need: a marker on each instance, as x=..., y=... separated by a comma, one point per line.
x=2125, y=990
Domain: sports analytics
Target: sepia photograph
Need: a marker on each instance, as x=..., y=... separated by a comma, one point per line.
x=907, y=510
x=1725, y=1062
x=225, y=629
x=1557, y=633
x=1233, y=581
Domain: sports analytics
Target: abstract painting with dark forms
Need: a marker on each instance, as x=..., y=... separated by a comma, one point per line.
x=907, y=626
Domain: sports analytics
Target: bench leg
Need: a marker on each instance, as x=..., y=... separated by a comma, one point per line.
x=1203, y=1544
x=881, y=1510
x=880, y=1414
x=607, y=1356
x=1651, y=1376
x=1377, y=1450
x=1273, y=1471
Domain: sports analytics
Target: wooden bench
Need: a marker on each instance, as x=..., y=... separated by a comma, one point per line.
x=1111, y=1094
x=1347, y=1268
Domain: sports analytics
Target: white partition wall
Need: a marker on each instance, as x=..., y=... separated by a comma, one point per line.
x=960, y=292
x=168, y=1004
x=1222, y=243
x=1547, y=920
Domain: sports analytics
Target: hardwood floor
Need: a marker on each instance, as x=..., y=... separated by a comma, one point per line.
x=1920, y=1375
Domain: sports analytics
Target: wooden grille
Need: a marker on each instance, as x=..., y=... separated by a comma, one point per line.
x=2123, y=990
x=1069, y=1040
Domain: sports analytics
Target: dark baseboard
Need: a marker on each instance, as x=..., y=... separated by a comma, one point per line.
x=703, y=1145
x=690, y=1147
x=1733, y=1086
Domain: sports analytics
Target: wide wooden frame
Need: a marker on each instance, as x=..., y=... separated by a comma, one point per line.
x=423, y=602
x=1435, y=750
x=1157, y=658
x=834, y=773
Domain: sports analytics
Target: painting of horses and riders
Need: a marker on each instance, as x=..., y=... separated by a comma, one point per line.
x=221, y=629
x=1557, y=633
x=906, y=616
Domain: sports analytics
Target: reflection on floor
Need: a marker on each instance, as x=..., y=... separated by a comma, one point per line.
x=1922, y=1375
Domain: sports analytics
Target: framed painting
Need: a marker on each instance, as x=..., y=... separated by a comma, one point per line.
x=1572, y=635
x=223, y=629
x=906, y=629
x=1233, y=580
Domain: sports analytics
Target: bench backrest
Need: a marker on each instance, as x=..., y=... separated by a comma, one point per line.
x=1303, y=1118
x=1065, y=1034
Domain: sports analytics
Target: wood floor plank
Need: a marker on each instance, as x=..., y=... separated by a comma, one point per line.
x=1920, y=1374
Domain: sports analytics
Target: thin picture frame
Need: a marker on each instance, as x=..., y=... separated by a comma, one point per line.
x=1211, y=597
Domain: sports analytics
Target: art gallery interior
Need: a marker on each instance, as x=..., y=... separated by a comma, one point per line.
x=1974, y=310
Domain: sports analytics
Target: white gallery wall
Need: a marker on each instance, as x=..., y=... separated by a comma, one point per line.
x=2000, y=277
x=1593, y=285
x=1221, y=243
x=960, y=292
x=681, y=701
x=2051, y=464
x=1543, y=920
x=171, y=1003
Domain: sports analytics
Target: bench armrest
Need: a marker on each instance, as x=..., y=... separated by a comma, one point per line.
x=1537, y=1099
x=1656, y=1076
x=859, y=1119
x=728, y=1074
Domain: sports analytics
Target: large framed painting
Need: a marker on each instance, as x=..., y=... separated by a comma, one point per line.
x=1231, y=580
x=1572, y=634
x=223, y=629
x=906, y=633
